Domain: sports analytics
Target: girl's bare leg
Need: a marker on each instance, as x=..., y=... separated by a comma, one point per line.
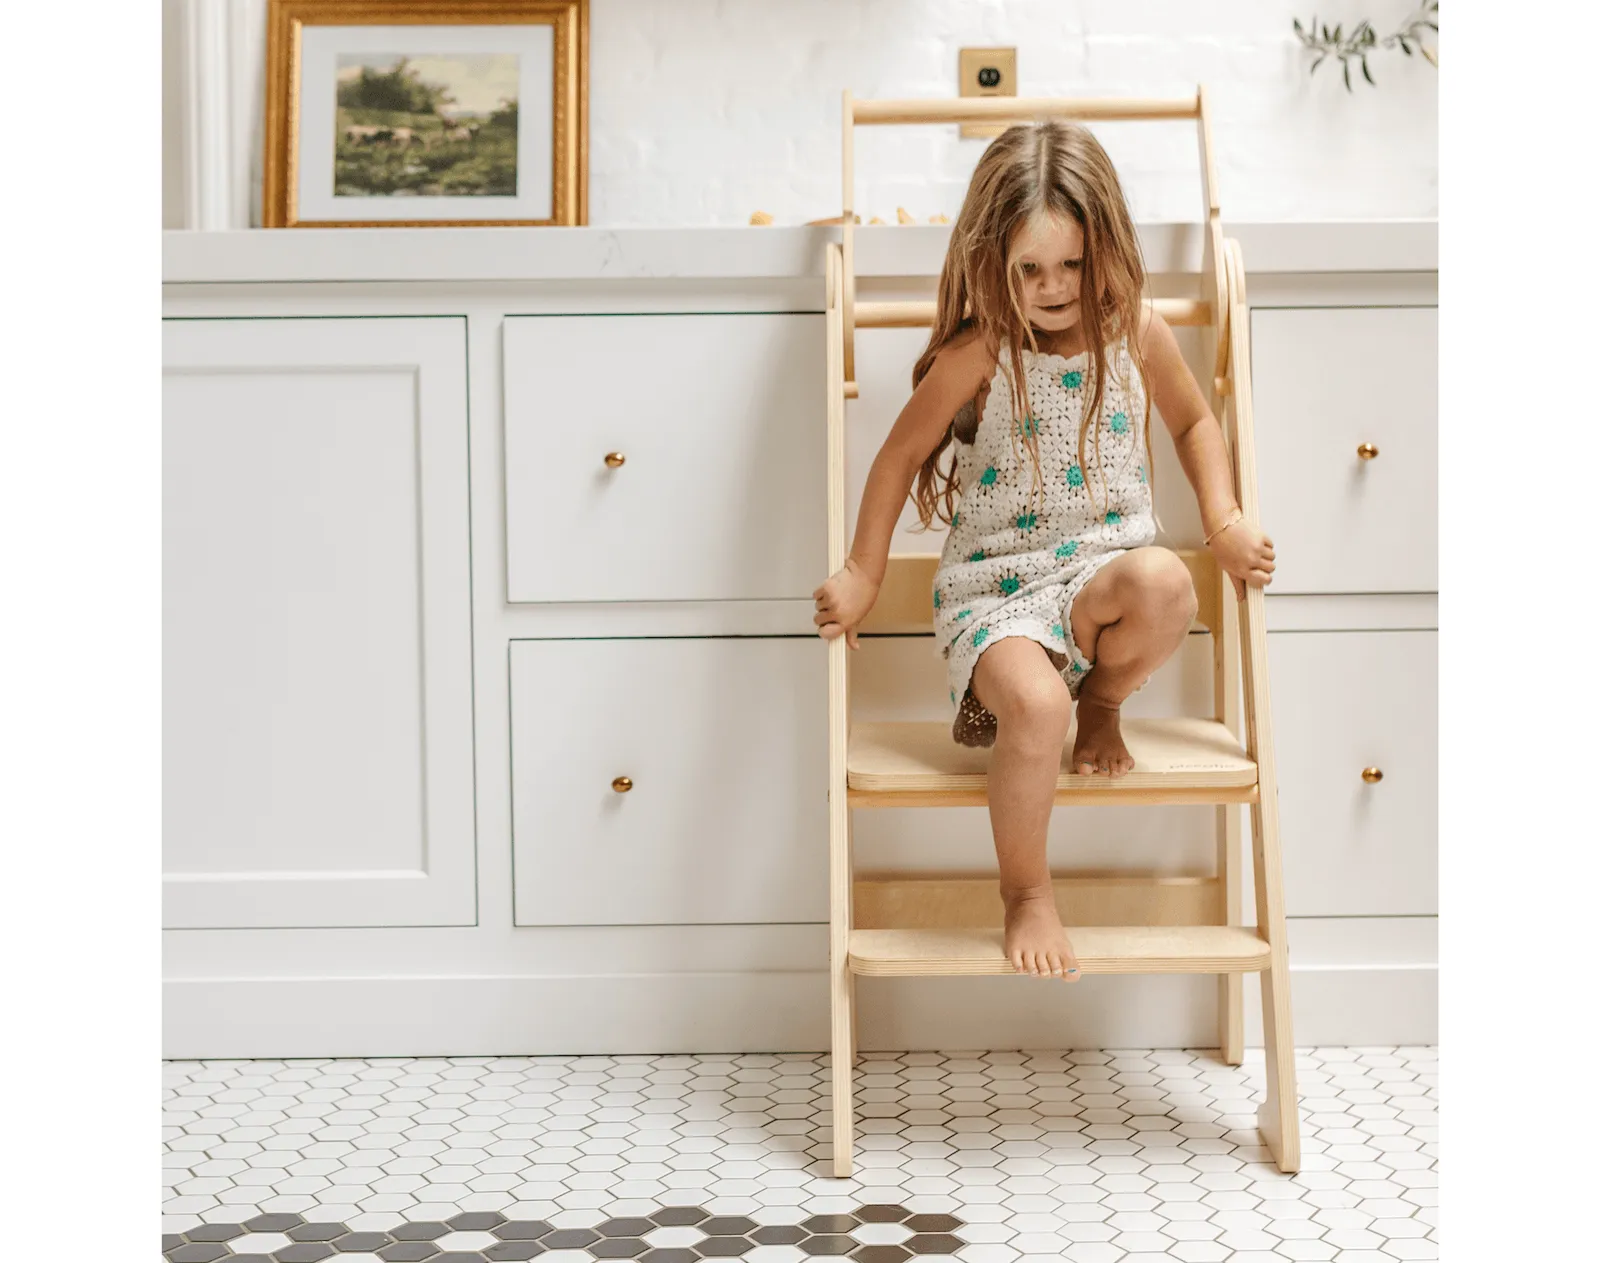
x=1128, y=620
x=1015, y=680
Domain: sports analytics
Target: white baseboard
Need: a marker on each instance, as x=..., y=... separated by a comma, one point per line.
x=776, y=1011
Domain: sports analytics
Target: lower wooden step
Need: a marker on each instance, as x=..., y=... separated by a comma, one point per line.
x=1100, y=949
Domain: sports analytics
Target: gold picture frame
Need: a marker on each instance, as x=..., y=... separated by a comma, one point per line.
x=300, y=192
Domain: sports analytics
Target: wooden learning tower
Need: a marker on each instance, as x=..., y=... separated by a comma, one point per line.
x=1127, y=923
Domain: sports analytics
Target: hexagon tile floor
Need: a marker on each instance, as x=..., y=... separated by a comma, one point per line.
x=995, y=1157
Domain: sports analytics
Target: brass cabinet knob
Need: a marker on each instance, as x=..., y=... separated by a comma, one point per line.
x=615, y=459
x=1372, y=775
x=622, y=784
x=1366, y=451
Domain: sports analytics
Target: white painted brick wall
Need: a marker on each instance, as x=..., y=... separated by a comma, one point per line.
x=702, y=111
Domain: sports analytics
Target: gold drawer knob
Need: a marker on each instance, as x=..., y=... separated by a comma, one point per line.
x=622, y=784
x=1372, y=775
x=1366, y=451
x=615, y=459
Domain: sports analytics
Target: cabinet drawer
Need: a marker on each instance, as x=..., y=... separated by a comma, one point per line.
x=725, y=741
x=1343, y=702
x=721, y=423
x=1327, y=381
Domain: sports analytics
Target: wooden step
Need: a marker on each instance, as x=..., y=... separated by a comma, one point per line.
x=1177, y=760
x=1100, y=949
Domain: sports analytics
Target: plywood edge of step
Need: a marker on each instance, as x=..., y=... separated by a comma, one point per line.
x=1100, y=949
x=1170, y=754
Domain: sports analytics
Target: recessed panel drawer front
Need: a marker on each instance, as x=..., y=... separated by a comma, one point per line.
x=1346, y=408
x=1355, y=728
x=670, y=781
x=665, y=457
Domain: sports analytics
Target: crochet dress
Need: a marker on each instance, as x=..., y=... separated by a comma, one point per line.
x=1007, y=572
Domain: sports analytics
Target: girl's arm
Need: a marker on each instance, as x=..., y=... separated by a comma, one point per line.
x=952, y=379
x=847, y=596
x=1243, y=551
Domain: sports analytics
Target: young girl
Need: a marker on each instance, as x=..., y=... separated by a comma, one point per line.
x=1049, y=589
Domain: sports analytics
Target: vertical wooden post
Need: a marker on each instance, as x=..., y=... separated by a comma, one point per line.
x=1278, y=1116
x=841, y=985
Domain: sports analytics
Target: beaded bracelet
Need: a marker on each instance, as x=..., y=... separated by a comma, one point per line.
x=1237, y=515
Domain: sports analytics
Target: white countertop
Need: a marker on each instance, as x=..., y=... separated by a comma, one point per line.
x=541, y=254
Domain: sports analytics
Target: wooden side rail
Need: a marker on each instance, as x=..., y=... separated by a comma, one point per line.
x=994, y=109
x=914, y=314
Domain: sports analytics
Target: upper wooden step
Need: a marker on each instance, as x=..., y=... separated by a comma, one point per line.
x=1100, y=949
x=1177, y=760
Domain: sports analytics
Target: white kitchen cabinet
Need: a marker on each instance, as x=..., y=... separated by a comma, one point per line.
x=317, y=660
x=391, y=742
x=669, y=780
x=1330, y=382
x=1348, y=703
x=715, y=429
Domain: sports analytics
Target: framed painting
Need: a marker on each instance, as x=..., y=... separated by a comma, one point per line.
x=423, y=112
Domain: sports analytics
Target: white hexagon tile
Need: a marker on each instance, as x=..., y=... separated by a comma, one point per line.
x=995, y=1157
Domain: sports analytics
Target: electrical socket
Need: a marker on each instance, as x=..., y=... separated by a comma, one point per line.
x=987, y=72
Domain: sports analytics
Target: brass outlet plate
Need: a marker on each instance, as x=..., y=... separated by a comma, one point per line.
x=987, y=72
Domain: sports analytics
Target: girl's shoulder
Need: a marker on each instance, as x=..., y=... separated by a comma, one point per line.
x=969, y=355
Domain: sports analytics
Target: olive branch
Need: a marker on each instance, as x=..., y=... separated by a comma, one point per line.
x=1362, y=39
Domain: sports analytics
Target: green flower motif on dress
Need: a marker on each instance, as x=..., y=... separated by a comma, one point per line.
x=1027, y=521
x=1058, y=631
x=955, y=518
x=1067, y=549
x=1028, y=426
x=977, y=556
x=979, y=636
x=989, y=475
x=937, y=599
x=1074, y=476
x=1119, y=423
x=952, y=695
x=1072, y=379
x=1141, y=473
x=963, y=614
x=1010, y=584
x=1076, y=669
x=1113, y=518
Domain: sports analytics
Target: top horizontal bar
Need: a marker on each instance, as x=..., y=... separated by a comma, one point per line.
x=991, y=109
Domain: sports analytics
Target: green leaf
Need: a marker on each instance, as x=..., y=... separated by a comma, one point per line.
x=1319, y=61
x=1405, y=48
x=1297, y=29
x=1367, y=73
x=1347, y=86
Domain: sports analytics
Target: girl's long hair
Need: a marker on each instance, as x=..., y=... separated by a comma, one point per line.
x=1055, y=168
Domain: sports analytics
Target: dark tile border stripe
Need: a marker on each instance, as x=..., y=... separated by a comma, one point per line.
x=727, y=1237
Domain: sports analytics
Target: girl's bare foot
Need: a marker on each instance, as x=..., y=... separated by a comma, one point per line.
x=1035, y=942
x=1099, y=746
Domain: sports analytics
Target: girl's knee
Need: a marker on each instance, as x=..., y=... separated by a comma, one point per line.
x=1159, y=585
x=1022, y=687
